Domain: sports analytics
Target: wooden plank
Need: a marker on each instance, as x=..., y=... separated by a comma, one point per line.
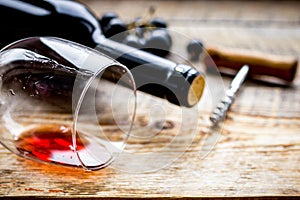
x=190, y=11
x=257, y=153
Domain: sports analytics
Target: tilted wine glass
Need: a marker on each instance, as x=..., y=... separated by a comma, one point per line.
x=64, y=103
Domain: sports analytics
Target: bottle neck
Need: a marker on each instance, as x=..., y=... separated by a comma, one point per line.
x=180, y=84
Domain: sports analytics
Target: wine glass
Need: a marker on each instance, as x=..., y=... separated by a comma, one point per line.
x=64, y=103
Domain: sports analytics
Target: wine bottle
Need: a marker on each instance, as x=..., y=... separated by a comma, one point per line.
x=178, y=83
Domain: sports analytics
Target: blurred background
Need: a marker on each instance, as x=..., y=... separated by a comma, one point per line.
x=263, y=25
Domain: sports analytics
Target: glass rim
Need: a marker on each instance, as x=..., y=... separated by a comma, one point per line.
x=76, y=111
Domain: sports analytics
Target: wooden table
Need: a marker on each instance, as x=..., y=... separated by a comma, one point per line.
x=257, y=153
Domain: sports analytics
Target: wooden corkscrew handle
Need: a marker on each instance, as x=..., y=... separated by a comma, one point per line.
x=261, y=64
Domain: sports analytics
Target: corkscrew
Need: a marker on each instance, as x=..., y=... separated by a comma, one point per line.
x=220, y=111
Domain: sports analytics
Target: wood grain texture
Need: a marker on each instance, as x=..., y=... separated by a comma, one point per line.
x=257, y=153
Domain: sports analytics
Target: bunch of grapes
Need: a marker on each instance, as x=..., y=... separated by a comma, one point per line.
x=149, y=34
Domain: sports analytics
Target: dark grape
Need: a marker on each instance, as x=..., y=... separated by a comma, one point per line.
x=106, y=17
x=159, y=42
x=133, y=40
x=116, y=30
x=194, y=49
x=158, y=23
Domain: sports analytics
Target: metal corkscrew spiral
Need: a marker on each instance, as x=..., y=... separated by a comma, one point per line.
x=219, y=112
